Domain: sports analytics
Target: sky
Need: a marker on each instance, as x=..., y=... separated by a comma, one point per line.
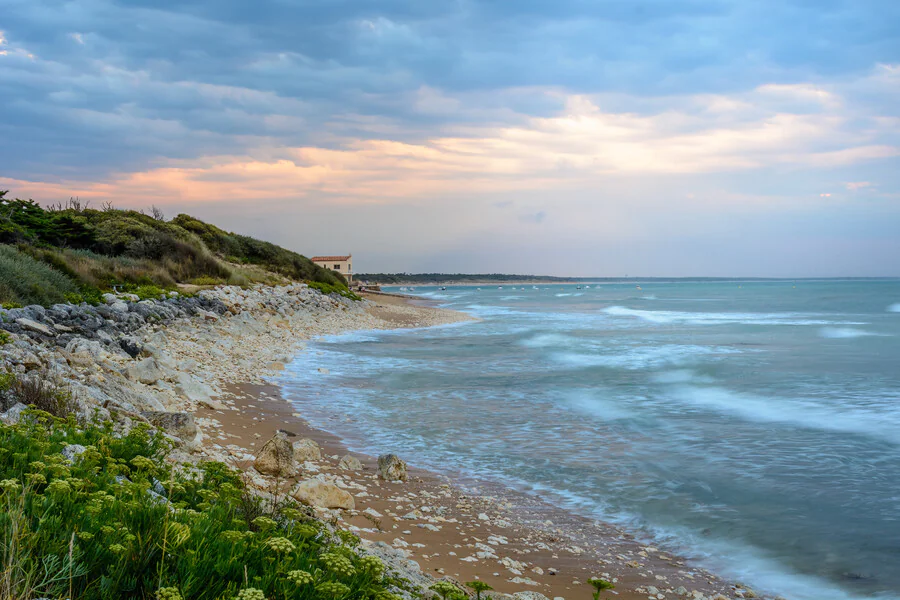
x=558, y=137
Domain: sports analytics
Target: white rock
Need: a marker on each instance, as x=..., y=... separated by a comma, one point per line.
x=315, y=492
x=146, y=371
x=34, y=326
x=306, y=449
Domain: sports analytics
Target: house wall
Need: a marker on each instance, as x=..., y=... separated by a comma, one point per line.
x=344, y=267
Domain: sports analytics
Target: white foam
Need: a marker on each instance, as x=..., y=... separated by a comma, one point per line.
x=641, y=357
x=894, y=308
x=681, y=376
x=549, y=340
x=596, y=405
x=702, y=318
x=800, y=412
x=845, y=333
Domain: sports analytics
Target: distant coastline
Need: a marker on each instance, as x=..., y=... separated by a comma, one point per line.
x=426, y=279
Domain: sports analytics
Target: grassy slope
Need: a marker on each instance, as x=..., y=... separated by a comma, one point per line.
x=89, y=250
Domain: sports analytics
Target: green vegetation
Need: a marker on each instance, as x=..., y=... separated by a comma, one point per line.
x=75, y=253
x=478, y=587
x=448, y=591
x=119, y=522
x=327, y=289
x=599, y=585
x=26, y=280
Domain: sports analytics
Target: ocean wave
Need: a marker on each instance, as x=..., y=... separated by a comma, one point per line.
x=846, y=333
x=803, y=413
x=549, y=340
x=703, y=318
x=641, y=357
x=894, y=308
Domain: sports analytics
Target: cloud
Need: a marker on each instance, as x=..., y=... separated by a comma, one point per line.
x=536, y=218
x=605, y=115
x=858, y=185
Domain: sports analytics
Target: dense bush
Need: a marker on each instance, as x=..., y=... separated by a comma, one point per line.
x=24, y=280
x=118, y=522
x=327, y=289
x=99, y=248
x=243, y=249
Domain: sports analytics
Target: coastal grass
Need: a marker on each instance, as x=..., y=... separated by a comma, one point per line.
x=88, y=251
x=24, y=280
x=116, y=520
x=328, y=289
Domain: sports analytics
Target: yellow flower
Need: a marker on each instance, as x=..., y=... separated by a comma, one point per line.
x=299, y=577
x=280, y=544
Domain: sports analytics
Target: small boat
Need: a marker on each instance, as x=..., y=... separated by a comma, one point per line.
x=443, y=288
x=638, y=287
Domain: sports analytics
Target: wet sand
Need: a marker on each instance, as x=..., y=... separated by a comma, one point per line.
x=463, y=529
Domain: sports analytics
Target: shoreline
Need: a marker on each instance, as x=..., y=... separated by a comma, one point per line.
x=540, y=547
x=198, y=369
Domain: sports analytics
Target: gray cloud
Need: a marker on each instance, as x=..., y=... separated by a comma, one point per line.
x=114, y=84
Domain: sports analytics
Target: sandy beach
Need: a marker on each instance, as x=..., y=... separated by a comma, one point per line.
x=462, y=530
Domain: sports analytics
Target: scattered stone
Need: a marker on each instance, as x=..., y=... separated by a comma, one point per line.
x=35, y=326
x=177, y=424
x=306, y=449
x=392, y=468
x=276, y=457
x=322, y=494
x=350, y=463
x=72, y=451
x=146, y=371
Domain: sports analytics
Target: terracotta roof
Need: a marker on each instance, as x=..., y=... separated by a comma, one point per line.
x=330, y=258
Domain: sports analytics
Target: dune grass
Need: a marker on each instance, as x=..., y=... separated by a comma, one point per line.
x=24, y=280
x=96, y=249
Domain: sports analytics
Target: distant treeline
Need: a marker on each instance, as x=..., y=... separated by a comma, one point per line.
x=461, y=278
x=436, y=278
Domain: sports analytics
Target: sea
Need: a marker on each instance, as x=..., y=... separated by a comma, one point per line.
x=753, y=426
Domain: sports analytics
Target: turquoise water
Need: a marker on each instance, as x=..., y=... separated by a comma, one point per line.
x=754, y=426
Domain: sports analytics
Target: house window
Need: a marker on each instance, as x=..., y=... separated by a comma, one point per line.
x=337, y=267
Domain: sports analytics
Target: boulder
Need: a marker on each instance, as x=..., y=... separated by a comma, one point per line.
x=276, y=457
x=307, y=449
x=197, y=392
x=72, y=451
x=130, y=344
x=35, y=327
x=14, y=414
x=392, y=468
x=322, y=494
x=119, y=307
x=177, y=424
x=529, y=595
x=350, y=463
x=146, y=371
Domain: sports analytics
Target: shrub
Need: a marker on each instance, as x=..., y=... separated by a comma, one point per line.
x=40, y=391
x=94, y=526
x=5, y=338
x=24, y=280
x=328, y=289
